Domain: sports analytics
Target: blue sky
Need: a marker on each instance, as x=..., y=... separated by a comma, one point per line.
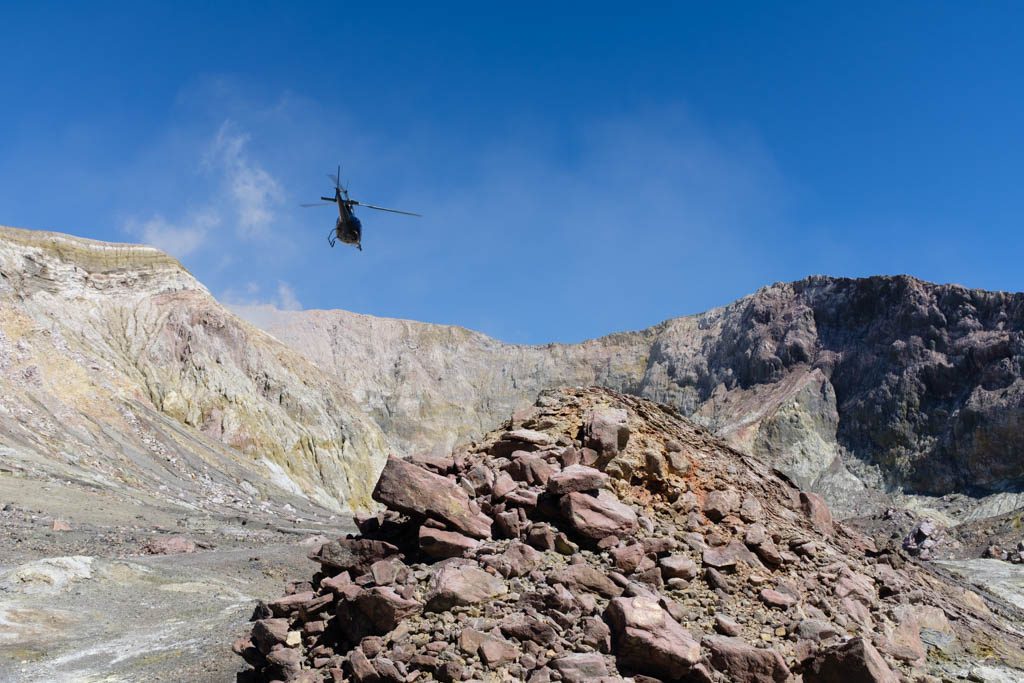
x=581, y=170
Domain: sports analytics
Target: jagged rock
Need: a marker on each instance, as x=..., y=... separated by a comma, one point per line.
x=352, y=554
x=596, y=634
x=289, y=661
x=646, y=640
x=577, y=478
x=266, y=633
x=374, y=611
x=441, y=544
x=411, y=489
x=855, y=661
x=596, y=517
x=743, y=663
x=462, y=584
x=816, y=509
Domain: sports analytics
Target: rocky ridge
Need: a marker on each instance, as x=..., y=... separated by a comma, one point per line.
x=598, y=536
x=851, y=386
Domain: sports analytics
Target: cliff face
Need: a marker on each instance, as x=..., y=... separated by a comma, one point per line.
x=118, y=369
x=846, y=385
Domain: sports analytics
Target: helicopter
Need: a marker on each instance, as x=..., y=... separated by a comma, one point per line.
x=348, y=229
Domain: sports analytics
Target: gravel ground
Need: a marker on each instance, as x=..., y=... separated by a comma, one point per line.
x=89, y=605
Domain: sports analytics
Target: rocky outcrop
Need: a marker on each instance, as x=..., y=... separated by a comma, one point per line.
x=847, y=386
x=120, y=371
x=674, y=588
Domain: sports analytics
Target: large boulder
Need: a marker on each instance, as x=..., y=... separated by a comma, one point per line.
x=577, y=478
x=457, y=584
x=441, y=545
x=373, y=612
x=413, y=490
x=647, y=640
x=743, y=663
x=352, y=554
x=855, y=661
x=596, y=517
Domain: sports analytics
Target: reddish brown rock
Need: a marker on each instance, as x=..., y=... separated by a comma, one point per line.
x=598, y=516
x=462, y=584
x=777, y=599
x=352, y=554
x=375, y=611
x=518, y=559
x=726, y=557
x=440, y=544
x=678, y=567
x=646, y=640
x=266, y=633
x=530, y=468
x=607, y=431
x=718, y=504
x=816, y=509
x=586, y=577
x=743, y=663
x=855, y=661
x=577, y=478
x=628, y=557
x=580, y=667
x=411, y=489
x=496, y=651
x=169, y=545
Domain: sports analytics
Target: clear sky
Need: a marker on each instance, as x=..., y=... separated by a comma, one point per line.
x=581, y=170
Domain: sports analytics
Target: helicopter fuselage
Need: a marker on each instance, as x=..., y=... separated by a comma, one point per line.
x=347, y=229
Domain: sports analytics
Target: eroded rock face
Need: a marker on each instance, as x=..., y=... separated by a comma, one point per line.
x=135, y=374
x=548, y=598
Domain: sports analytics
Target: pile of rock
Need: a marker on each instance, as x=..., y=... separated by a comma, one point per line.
x=596, y=537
